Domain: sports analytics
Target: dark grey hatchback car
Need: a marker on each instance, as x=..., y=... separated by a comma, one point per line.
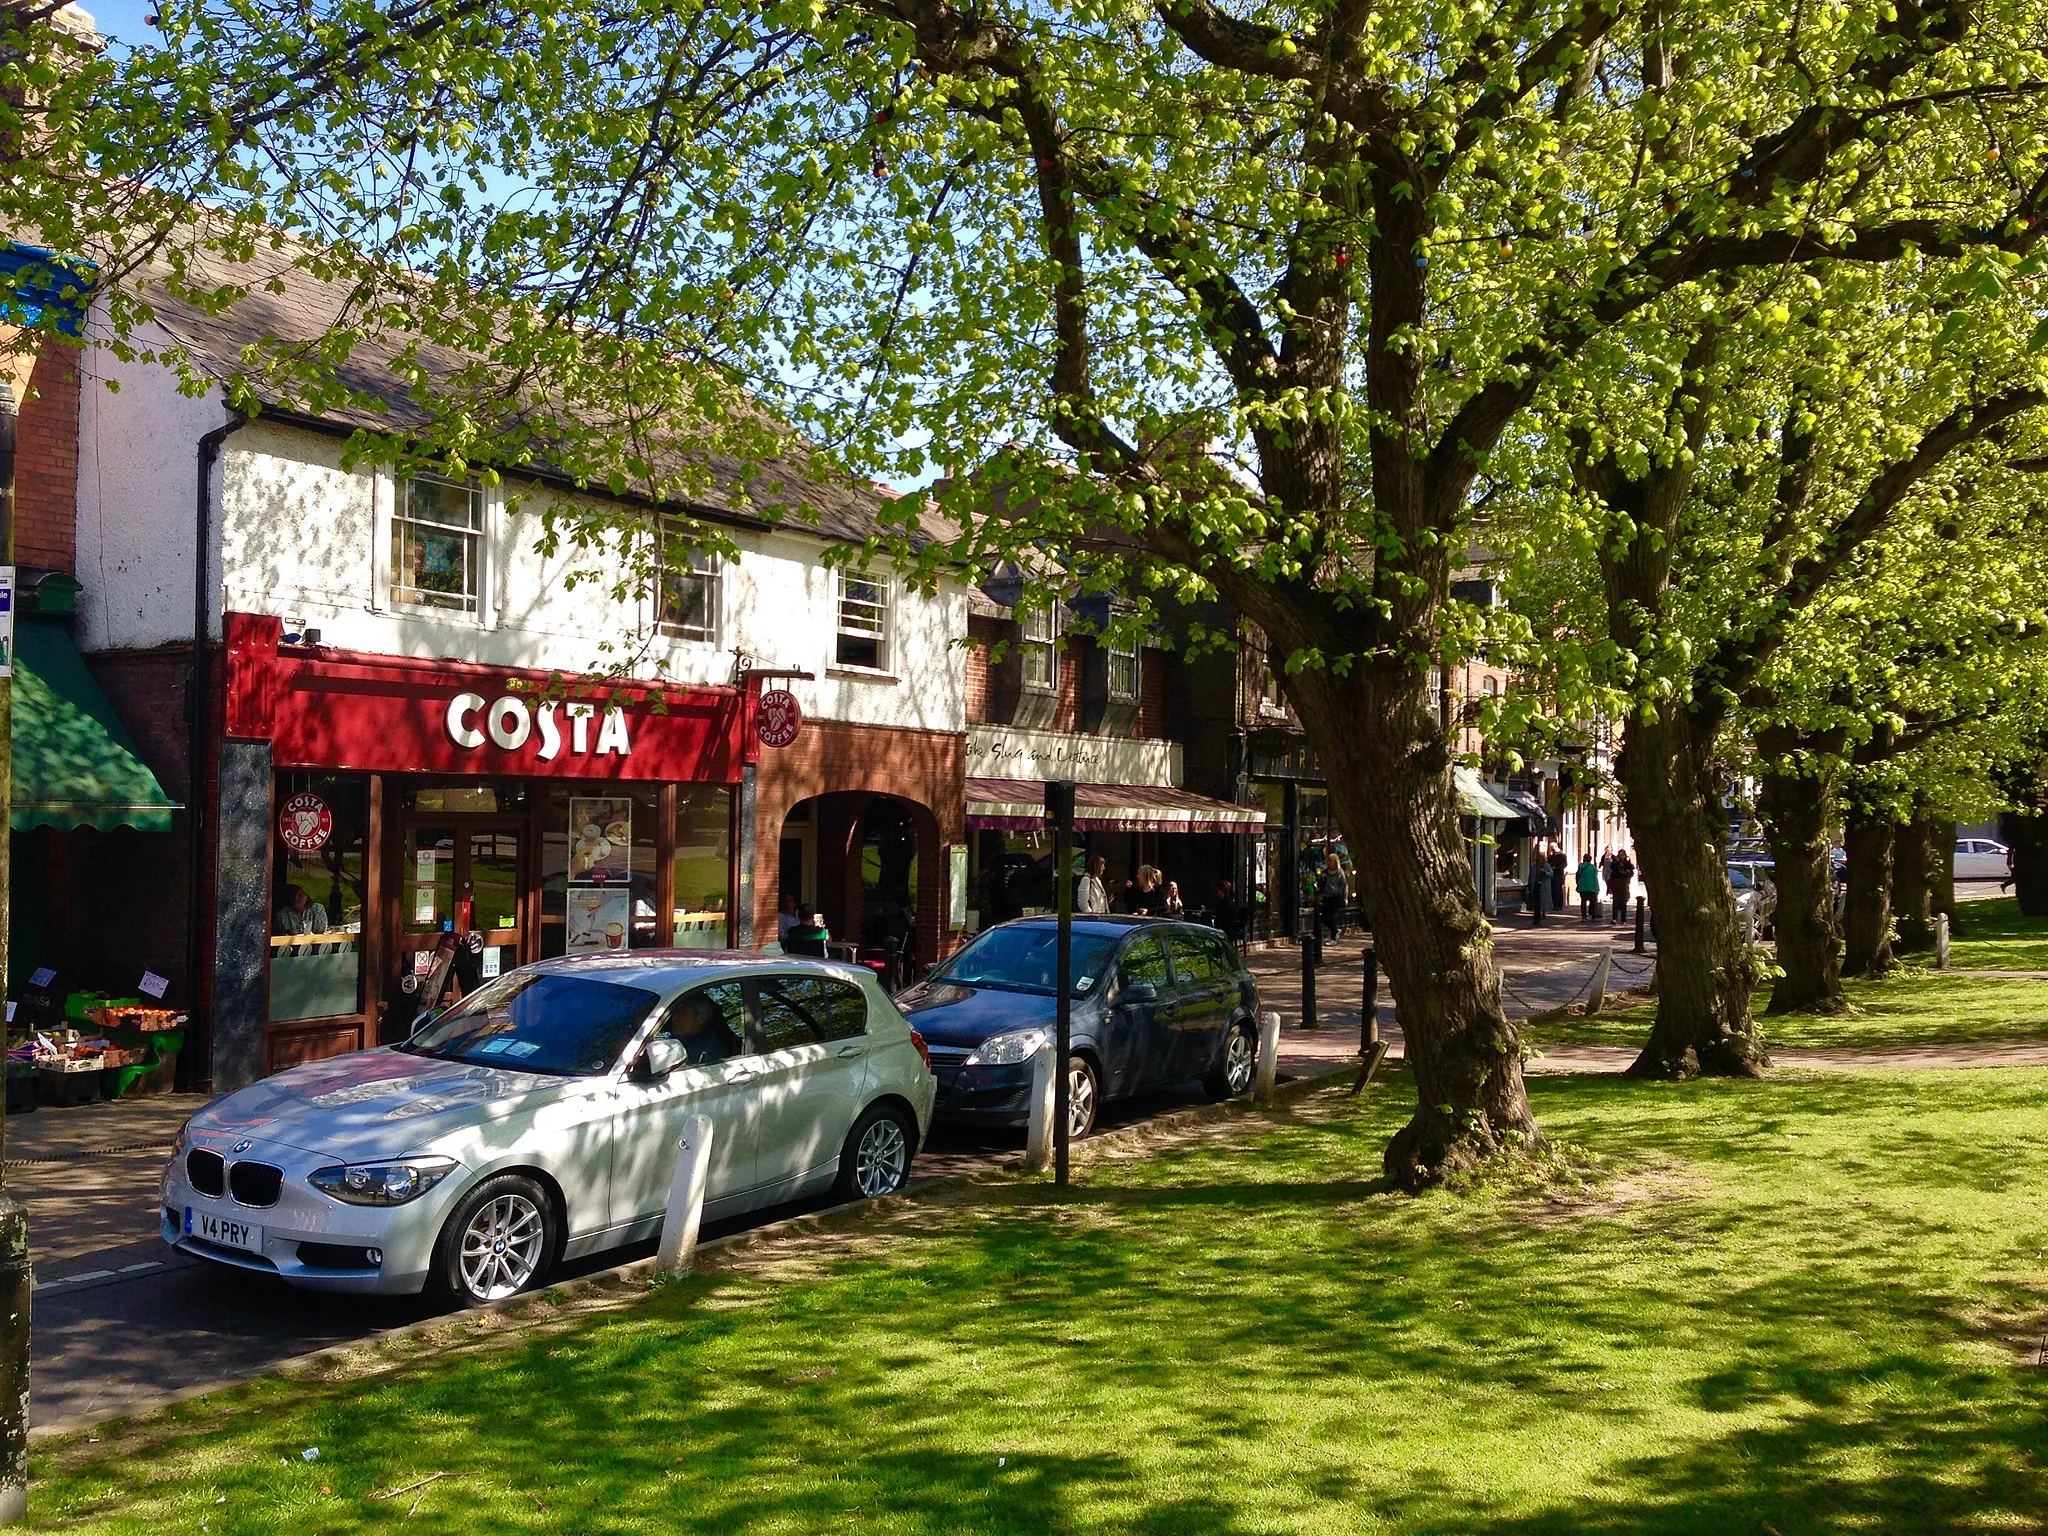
x=1154, y=1003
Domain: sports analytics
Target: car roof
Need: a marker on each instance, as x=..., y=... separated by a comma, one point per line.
x=673, y=969
x=1107, y=924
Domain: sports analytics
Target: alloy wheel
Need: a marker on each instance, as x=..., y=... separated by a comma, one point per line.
x=501, y=1247
x=1239, y=1061
x=1080, y=1100
x=882, y=1160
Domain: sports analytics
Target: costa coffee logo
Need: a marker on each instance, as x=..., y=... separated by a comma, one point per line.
x=510, y=722
x=304, y=823
x=779, y=718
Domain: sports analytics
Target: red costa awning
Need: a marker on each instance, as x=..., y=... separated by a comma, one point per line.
x=1018, y=805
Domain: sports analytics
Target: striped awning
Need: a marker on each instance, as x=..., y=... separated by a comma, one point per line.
x=1018, y=805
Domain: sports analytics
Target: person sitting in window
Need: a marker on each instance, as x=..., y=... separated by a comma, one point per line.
x=300, y=913
x=788, y=918
x=808, y=938
x=700, y=1026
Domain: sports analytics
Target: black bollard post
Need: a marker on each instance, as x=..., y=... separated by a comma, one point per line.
x=1372, y=1050
x=1311, y=941
x=1536, y=885
x=1639, y=925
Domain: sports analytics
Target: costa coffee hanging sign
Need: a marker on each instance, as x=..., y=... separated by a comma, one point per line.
x=778, y=718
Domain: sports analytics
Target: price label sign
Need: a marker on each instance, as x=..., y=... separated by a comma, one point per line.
x=153, y=985
x=42, y=977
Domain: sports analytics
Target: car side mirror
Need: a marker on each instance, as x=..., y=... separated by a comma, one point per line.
x=663, y=1055
x=1137, y=992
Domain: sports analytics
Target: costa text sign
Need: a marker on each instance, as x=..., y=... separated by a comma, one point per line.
x=510, y=723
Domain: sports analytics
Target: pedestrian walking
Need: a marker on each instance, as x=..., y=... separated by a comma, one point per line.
x=1621, y=876
x=1557, y=865
x=1090, y=894
x=1332, y=892
x=1589, y=889
x=1230, y=914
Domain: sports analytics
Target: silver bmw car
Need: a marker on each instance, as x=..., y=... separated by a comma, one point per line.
x=539, y=1120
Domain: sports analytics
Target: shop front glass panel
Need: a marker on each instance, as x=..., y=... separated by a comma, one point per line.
x=427, y=877
x=703, y=865
x=598, y=861
x=318, y=850
x=494, y=881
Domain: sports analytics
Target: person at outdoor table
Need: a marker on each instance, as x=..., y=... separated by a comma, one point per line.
x=1142, y=897
x=1090, y=894
x=300, y=913
x=788, y=918
x=809, y=937
x=1588, y=881
x=1174, y=906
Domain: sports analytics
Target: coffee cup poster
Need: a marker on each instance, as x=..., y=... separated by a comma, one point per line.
x=599, y=919
x=601, y=841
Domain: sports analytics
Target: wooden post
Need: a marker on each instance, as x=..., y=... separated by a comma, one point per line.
x=685, y=1212
x=1941, y=941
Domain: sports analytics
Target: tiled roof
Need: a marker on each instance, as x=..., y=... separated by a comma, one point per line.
x=282, y=303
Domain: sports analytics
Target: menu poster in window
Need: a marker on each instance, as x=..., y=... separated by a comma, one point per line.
x=598, y=919
x=601, y=840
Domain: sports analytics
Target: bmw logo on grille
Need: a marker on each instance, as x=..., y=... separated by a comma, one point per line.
x=240, y=1147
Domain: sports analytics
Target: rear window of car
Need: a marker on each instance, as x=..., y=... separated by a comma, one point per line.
x=1144, y=959
x=808, y=1010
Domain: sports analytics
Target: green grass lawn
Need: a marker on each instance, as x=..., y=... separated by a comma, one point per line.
x=1992, y=936
x=1783, y=1306
x=1913, y=1009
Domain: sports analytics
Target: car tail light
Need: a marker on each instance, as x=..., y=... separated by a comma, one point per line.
x=923, y=1050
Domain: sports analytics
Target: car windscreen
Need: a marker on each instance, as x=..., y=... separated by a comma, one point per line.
x=567, y=1025
x=1021, y=959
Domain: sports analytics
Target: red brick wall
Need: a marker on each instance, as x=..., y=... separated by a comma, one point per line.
x=1068, y=716
x=981, y=634
x=148, y=692
x=1152, y=667
x=46, y=463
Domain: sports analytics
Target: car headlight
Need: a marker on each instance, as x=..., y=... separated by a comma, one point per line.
x=392, y=1183
x=1006, y=1050
x=181, y=1144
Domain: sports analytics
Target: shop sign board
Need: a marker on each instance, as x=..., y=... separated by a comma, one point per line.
x=305, y=823
x=778, y=718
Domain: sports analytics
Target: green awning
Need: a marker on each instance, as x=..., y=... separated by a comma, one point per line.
x=75, y=765
x=1475, y=799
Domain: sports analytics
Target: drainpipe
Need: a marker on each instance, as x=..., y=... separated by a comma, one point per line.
x=197, y=721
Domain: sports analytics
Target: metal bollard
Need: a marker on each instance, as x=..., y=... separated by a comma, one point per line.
x=1038, y=1139
x=1311, y=943
x=1941, y=941
x=685, y=1212
x=1536, y=901
x=1269, y=1057
x=1639, y=927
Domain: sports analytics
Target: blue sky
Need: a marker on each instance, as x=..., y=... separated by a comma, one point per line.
x=122, y=19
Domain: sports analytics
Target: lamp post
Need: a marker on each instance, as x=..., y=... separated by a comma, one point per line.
x=1059, y=810
x=16, y=1287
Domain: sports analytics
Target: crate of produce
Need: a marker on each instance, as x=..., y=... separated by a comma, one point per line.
x=60, y=1087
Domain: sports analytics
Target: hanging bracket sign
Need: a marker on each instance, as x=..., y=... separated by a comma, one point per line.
x=778, y=718
x=305, y=823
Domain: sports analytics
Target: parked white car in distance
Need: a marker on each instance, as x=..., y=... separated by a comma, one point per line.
x=539, y=1120
x=1979, y=858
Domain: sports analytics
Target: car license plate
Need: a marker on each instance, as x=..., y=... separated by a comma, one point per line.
x=223, y=1230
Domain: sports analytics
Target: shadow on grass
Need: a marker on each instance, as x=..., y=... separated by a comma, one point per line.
x=1229, y=1338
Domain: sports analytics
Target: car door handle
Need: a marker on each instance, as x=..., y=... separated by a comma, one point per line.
x=849, y=1050
x=742, y=1074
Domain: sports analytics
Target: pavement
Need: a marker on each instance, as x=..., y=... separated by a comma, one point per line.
x=122, y=1322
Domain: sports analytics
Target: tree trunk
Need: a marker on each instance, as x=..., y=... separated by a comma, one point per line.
x=1867, y=912
x=2026, y=834
x=1912, y=891
x=1389, y=772
x=1670, y=793
x=1796, y=810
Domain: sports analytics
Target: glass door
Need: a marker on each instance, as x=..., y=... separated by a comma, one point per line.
x=464, y=876
x=495, y=881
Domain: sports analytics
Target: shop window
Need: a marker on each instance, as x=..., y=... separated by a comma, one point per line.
x=1039, y=651
x=598, y=870
x=437, y=544
x=703, y=865
x=318, y=845
x=1124, y=671
x=687, y=600
x=863, y=638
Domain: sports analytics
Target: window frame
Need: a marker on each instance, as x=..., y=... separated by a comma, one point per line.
x=707, y=566
x=883, y=604
x=1132, y=654
x=475, y=604
x=1033, y=646
x=759, y=997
